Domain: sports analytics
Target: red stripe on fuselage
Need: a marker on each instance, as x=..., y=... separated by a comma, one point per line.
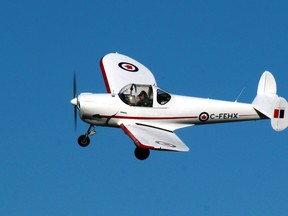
x=248, y=115
x=149, y=118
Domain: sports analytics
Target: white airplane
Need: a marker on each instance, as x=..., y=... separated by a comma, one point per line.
x=149, y=115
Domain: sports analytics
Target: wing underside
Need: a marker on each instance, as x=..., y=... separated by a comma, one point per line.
x=154, y=138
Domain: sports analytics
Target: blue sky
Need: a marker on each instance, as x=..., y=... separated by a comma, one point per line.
x=198, y=48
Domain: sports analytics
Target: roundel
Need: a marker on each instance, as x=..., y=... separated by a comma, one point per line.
x=128, y=67
x=204, y=116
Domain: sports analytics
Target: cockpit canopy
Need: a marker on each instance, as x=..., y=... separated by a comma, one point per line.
x=143, y=95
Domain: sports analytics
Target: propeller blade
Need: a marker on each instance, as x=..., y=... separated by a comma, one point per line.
x=74, y=96
x=75, y=118
x=74, y=86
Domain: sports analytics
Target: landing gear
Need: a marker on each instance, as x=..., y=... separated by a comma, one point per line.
x=141, y=153
x=84, y=140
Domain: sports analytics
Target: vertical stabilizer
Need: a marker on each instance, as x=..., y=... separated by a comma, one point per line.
x=267, y=84
x=266, y=94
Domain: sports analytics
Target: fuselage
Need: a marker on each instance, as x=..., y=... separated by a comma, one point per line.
x=177, y=112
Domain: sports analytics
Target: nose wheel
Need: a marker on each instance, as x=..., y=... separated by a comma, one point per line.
x=84, y=139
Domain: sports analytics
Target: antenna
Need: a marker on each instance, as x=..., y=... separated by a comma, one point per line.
x=240, y=94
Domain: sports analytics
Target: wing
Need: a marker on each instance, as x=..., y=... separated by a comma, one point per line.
x=154, y=138
x=119, y=70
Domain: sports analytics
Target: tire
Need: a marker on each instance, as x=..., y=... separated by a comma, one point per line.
x=141, y=153
x=83, y=141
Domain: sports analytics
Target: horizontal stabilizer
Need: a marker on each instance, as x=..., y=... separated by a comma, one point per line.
x=280, y=117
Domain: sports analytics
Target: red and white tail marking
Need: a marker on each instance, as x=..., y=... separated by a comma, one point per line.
x=279, y=113
x=280, y=118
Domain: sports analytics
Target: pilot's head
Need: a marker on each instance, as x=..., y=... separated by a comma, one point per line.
x=142, y=94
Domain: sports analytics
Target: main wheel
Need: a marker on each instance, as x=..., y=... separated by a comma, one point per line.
x=83, y=140
x=141, y=153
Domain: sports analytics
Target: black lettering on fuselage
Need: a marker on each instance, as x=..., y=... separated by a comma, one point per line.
x=224, y=116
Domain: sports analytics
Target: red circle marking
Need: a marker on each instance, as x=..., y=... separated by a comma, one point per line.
x=128, y=67
x=204, y=116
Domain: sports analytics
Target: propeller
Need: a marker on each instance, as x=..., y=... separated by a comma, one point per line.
x=74, y=101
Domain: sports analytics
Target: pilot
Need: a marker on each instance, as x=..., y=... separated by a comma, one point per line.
x=144, y=100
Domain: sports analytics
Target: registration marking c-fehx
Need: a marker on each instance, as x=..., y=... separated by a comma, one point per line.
x=224, y=116
x=204, y=116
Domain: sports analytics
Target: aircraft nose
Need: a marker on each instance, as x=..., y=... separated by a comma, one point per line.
x=74, y=101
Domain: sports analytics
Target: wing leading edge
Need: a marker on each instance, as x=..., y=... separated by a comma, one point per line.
x=154, y=138
x=119, y=70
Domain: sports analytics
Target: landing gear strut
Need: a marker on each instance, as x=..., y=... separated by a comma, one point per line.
x=84, y=140
x=141, y=153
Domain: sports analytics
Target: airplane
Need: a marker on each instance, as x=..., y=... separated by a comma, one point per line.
x=150, y=115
